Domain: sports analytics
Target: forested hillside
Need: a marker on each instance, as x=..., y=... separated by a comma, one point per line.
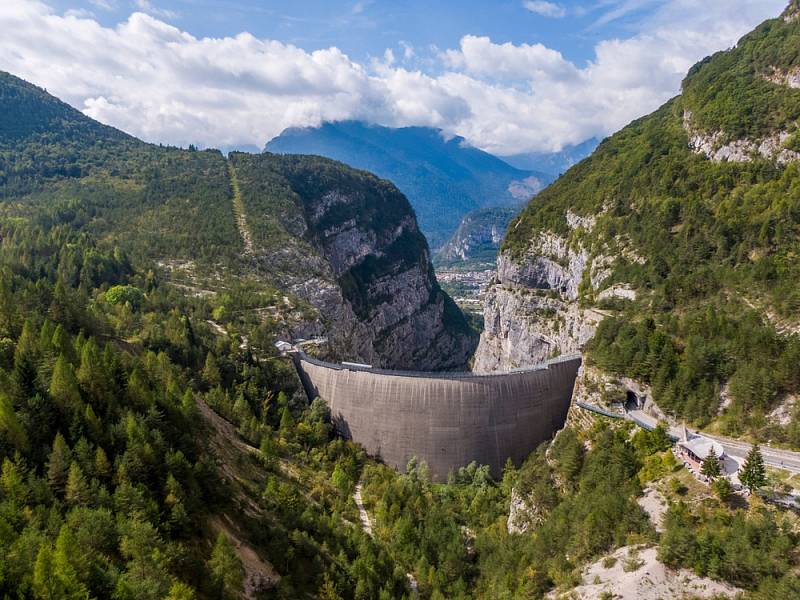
x=683, y=230
x=152, y=444
x=326, y=236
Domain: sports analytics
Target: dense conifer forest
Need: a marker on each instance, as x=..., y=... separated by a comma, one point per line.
x=153, y=445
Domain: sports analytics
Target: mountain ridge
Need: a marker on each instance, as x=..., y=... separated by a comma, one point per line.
x=443, y=178
x=648, y=253
x=176, y=207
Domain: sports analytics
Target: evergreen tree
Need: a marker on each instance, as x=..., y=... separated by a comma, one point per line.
x=226, y=567
x=77, y=490
x=180, y=591
x=10, y=427
x=59, y=464
x=101, y=464
x=327, y=590
x=64, y=386
x=12, y=484
x=753, y=474
x=211, y=372
x=711, y=468
x=287, y=421
x=93, y=375
x=722, y=488
x=341, y=479
x=45, y=581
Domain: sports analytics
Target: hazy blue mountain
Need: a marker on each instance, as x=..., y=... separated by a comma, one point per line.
x=444, y=179
x=554, y=163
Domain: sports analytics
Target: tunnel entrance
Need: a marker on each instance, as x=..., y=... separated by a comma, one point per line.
x=631, y=401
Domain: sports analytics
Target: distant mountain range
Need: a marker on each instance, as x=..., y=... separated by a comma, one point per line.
x=443, y=178
x=554, y=163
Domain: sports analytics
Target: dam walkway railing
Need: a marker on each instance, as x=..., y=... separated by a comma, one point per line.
x=453, y=375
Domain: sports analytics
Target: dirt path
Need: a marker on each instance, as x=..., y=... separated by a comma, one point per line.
x=239, y=212
x=366, y=523
x=655, y=505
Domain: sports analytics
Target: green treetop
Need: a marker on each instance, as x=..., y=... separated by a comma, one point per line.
x=753, y=473
x=711, y=468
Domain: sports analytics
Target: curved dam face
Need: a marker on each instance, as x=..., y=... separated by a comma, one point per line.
x=445, y=419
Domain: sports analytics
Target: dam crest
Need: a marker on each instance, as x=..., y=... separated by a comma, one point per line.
x=446, y=419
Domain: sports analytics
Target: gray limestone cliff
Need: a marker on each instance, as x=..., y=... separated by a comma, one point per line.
x=532, y=311
x=356, y=256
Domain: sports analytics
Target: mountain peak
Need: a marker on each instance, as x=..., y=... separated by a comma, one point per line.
x=27, y=110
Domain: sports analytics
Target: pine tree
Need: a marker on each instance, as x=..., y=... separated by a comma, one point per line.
x=10, y=427
x=287, y=422
x=93, y=375
x=226, y=567
x=211, y=372
x=327, y=590
x=101, y=464
x=45, y=582
x=722, y=488
x=77, y=490
x=64, y=385
x=12, y=482
x=58, y=465
x=711, y=468
x=62, y=344
x=753, y=474
x=180, y=591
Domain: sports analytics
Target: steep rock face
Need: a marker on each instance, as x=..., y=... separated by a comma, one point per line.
x=478, y=236
x=531, y=312
x=771, y=147
x=693, y=205
x=360, y=260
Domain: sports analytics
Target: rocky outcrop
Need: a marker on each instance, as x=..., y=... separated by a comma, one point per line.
x=792, y=12
x=362, y=264
x=478, y=236
x=531, y=310
x=789, y=77
x=714, y=145
x=523, y=513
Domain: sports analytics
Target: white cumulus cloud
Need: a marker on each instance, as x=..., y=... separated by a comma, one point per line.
x=163, y=84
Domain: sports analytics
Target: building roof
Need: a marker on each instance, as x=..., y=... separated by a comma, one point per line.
x=700, y=446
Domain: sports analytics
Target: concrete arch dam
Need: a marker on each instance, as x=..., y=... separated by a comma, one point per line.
x=444, y=419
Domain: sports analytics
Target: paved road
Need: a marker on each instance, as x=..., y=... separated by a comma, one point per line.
x=773, y=457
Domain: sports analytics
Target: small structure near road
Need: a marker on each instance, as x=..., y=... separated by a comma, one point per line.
x=693, y=449
x=696, y=449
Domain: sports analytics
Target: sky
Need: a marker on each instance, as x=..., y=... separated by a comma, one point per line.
x=510, y=76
